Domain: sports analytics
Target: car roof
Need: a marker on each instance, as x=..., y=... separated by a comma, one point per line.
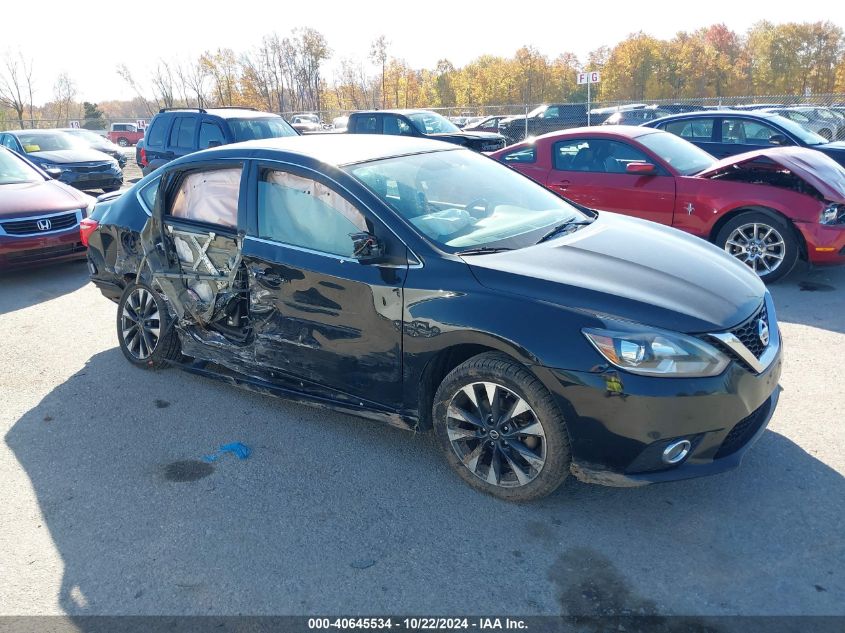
x=223, y=113
x=396, y=111
x=724, y=112
x=628, y=131
x=331, y=149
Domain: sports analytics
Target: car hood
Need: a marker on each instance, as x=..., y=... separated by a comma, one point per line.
x=39, y=198
x=630, y=269
x=822, y=172
x=67, y=156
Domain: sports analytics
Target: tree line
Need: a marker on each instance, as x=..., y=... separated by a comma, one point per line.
x=287, y=73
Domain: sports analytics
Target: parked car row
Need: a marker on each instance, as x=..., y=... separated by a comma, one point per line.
x=40, y=216
x=71, y=159
x=768, y=208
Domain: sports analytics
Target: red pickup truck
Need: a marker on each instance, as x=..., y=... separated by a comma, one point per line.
x=125, y=134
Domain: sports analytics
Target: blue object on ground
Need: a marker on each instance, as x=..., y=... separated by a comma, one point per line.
x=241, y=451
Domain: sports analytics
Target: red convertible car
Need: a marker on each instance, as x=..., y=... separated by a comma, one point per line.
x=767, y=208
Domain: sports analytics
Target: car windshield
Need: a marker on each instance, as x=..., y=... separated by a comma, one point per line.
x=682, y=155
x=49, y=142
x=265, y=127
x=807, y=137
x=432, y=123
x=463, y=200
x=92, y=137
x=13, y=170
x=538, y=111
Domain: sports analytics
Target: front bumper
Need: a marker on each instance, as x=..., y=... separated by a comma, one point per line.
x=619, y=423
x=825, y=243
x=23, y=252
x=93, y=180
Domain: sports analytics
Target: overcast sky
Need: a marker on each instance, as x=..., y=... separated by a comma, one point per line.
x=89, y=39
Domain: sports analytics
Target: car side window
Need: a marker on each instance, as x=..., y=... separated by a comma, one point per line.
x=524, y=155
x=209, y=196
x=210, y=133
x=149, y=192
x=7, y=141
x=306, y=213
x=155, y=135
x=367, y=124
x=700, y=130
x=595, y=155
x=182, y=133
x=396, y=126
x=746, y=132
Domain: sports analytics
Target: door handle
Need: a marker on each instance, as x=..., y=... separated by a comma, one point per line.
x=563, y=184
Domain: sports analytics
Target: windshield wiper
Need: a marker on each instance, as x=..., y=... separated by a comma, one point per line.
x=484, y=250
x=563, y=227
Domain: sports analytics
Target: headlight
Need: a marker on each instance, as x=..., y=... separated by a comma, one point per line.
x=833, y=214
x=658, y=353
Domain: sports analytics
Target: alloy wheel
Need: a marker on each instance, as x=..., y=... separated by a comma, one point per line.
x=140, y=323
x=496, y=435
x=759, y=246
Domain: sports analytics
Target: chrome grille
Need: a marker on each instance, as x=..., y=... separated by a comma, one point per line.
x=87, y=169
x=30, y=226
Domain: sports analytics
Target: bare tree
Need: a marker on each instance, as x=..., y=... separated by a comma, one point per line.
x=378, y=53
x=163, y=88
x=192, y=77
x=125, y=74
x=15, y=82
x=64, y=93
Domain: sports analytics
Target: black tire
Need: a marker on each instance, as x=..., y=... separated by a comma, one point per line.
x=513, y=382
x=138, y=347
x=123, y=142
x=764, y=255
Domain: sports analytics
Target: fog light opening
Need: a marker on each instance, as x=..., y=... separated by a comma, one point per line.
x=676, y=452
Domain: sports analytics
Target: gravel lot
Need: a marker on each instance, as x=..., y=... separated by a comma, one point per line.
x=336, y=515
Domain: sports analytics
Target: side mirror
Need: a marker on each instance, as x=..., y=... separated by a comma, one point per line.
x=778, y=139
x=641, y=169
x=366, y=248
x=213, y=144
x=53, y=172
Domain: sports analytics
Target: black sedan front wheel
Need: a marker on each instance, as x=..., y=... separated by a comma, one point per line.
x=500, y=429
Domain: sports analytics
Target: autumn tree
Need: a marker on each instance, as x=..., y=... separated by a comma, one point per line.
x=378, y=55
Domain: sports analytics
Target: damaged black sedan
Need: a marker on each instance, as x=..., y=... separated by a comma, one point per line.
x=428, y=286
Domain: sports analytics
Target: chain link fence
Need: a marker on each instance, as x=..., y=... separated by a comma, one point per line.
x=823, y=114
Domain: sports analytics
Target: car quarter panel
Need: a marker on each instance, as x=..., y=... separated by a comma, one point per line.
x=701, y=202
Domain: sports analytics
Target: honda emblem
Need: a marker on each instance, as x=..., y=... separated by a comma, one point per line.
x=44, y=225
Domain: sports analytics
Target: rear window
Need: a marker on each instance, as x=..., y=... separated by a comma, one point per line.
x=156, y=132
x=265, y=127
